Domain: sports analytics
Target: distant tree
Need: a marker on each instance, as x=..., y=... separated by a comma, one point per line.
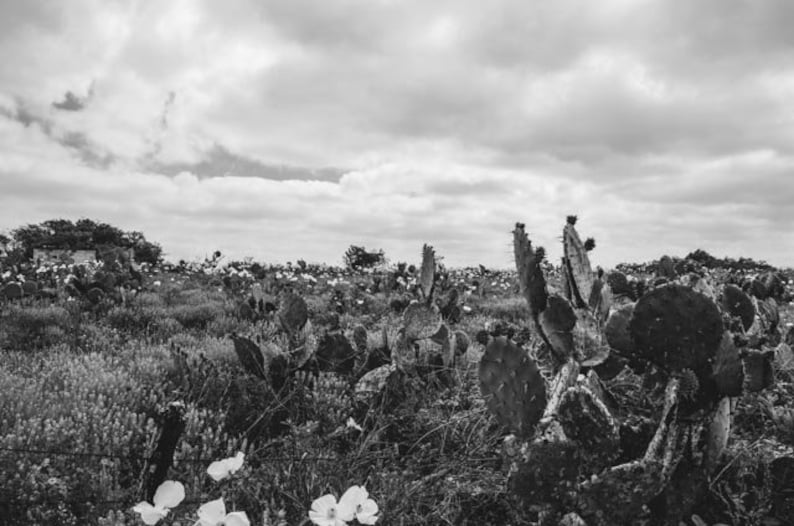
x=85, y=234
x=359, y=257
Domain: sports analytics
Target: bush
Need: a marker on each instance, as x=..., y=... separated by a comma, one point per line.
x=26, y=328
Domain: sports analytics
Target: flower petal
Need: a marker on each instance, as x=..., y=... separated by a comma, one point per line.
x=213, y=512
x=220, y=469
x=236, y=462
x=323, y=512
x=237, y=518
x=354, y=496
x=169, y=494
x=367, y=512
x=149, y=514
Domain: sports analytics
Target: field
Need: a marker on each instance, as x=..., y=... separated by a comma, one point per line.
x=327, y=378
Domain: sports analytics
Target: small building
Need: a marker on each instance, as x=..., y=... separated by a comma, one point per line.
x=59, y=255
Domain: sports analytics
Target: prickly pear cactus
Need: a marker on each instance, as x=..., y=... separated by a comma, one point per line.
x=421, y=320
x=617, y=330
x=512, y=386
x=577, y=264
x=373, y=382
x=676, y=328
x=666, y=268
x=250, y=356
x=360, y=338
x=739, y=305
x=557, y=322
x=12, y=291
x=293, y=313
x=428, y=272
x=530, y=273
x=335, y=354
x=586, y=420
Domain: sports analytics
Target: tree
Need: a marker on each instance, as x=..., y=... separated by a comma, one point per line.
x=85, y=234
x=357, y=258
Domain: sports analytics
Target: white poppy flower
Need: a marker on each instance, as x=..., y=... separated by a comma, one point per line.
x=168, y=495
x=220, y=469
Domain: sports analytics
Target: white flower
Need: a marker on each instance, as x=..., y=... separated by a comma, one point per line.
x=325, y=512
x=220, y=469
x=214, y=513
x=356, y=503
x=352, y=423
x=168, y=495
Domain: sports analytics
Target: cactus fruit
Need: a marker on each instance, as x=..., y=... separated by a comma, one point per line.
x=577, y=266
x=530, y=273
x=676, y=328
x=738, y=304
x=421, y=320
x=512, y=386
x=293, y=313
x=427, y=275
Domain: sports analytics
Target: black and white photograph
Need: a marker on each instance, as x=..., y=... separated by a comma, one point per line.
x=396, y=262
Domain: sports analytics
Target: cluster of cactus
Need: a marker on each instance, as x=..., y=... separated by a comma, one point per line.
x=573, y=450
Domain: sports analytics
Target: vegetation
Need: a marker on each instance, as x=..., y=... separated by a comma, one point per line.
x=547, y=395
x=84, y=234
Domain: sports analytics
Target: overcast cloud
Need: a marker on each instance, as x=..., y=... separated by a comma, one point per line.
x=292, y=129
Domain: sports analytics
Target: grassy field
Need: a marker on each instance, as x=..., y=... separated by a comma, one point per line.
x=83, y=384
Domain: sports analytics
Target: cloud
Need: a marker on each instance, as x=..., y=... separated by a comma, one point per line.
x=294, y=129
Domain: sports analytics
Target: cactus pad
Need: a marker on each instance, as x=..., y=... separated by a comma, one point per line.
x=586, y=420
x=374, y=381
x=557, y=322
x=421, y=320
x=577, y=265
x=360, y=338
x=728, y=370
x=428, y=272
x=12, y=291
x=617, y=330
x=250, y=356
x=738, y=304
x=512, y=386
x=676, y=328
x=530, y=273
x=335, y=354
x=293, y=313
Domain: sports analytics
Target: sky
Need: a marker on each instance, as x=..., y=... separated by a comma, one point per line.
x=282, y=130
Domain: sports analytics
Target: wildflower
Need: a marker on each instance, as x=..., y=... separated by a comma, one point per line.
x=352, y=423
x=220, y=469
x=325, y=512
x=356, y=503
x=214, y=513
x=168, y=495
